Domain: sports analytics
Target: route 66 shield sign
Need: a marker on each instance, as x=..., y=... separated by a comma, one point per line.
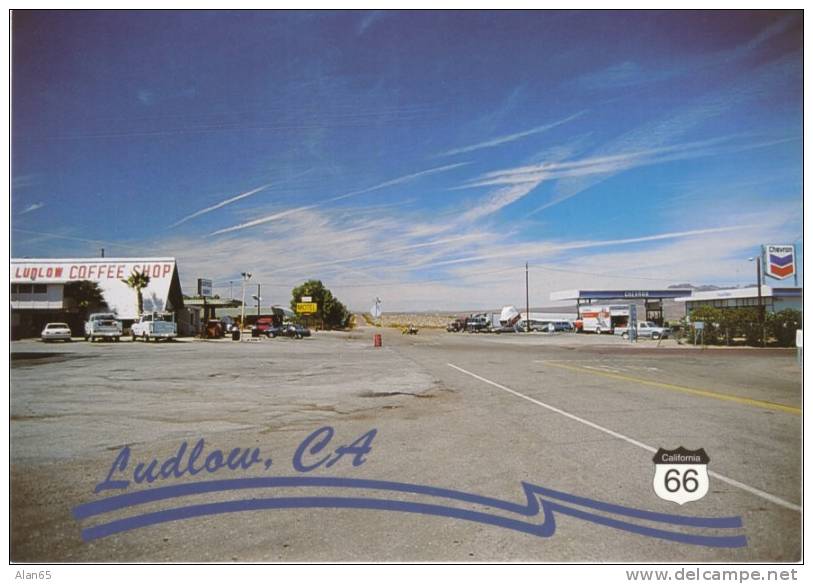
x=681, y=475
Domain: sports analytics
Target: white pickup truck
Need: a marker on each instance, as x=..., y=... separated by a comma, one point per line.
x=154, y=325
x=102, y=325
x=646, y=329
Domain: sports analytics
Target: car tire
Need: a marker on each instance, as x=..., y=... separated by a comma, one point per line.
x=598, y=330
x=655, y=336
x=625, y=335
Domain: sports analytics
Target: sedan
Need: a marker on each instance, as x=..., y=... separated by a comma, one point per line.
x=296, y=331
x=56, y=331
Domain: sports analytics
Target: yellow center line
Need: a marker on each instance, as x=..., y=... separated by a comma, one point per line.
x=702, y=392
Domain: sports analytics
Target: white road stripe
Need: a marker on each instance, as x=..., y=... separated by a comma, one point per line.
x=725, y=479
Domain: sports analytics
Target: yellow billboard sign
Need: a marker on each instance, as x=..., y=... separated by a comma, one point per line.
x=306, y=307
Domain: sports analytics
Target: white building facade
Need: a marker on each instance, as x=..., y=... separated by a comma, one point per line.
x=774, y=299
x=38, y=288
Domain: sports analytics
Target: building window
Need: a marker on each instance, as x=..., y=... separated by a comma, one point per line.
x=24, y=288
x=40, y=289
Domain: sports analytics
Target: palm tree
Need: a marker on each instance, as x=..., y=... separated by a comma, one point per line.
x=138, y=281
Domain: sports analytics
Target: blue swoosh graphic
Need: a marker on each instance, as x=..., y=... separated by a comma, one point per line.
x=537, y=501
x=781, y=261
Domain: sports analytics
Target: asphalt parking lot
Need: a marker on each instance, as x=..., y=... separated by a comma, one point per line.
x=469, y=419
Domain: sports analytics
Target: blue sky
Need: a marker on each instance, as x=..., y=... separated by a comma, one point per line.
x=419, y=157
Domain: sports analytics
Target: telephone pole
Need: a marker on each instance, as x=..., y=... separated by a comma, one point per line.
x=527, y=303
x=246, y=277
x=760, y=305
x=759, y=296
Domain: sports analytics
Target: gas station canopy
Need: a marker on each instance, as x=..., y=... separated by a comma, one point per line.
x=581, y=295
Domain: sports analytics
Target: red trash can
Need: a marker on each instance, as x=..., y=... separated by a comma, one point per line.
x=377, y=340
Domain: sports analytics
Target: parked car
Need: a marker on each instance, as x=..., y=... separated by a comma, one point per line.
x=509, y=329
x=563, y=325
x=56, y=331
x=265, y=326
x=646, y=329
x=154, y=325
x=478, y=323
x=295, y=331
x=102, y=325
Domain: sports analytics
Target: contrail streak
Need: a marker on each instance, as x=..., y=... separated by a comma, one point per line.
x=389, y=183
x=221, y=204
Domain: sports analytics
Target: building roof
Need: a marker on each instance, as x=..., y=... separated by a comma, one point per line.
x=251, y=311
x=197, y=301
x=618, y=294
x=752, y=292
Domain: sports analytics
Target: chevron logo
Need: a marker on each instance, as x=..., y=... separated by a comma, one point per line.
x=781, y=265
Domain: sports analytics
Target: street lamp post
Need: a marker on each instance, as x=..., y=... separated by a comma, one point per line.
x=761, y=308
x=246, y=277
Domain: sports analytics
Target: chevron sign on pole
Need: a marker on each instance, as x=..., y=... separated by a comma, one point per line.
x=780, y=261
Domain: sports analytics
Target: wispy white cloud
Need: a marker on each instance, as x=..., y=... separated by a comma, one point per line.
x=146, y=96
x=499, y=199
x=511, y=137
x=220, y=204
x=134, y=249
x=32, y=207
x=368, y=19
x=20, y=181
x=519, y=182
x=383, y=185
x=538, y=249
x=628, y=73
x=614, y=76
x=400, y=255
x=400, y=180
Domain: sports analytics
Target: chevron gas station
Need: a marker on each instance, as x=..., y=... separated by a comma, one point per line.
x=776, y=268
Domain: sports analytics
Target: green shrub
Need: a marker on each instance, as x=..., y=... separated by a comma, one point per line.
x=783, y=325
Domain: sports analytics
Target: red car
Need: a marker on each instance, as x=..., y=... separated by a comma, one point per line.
x=265, y=325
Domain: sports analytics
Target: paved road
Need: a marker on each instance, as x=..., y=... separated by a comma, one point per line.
x=476, y=415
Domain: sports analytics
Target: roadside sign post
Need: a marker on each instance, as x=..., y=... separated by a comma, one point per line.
x=204, y=291
x=375, y=311
x=698, y=326
x=306, y=308
x=632, y=327
x=246, y=277
x=799, y=347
